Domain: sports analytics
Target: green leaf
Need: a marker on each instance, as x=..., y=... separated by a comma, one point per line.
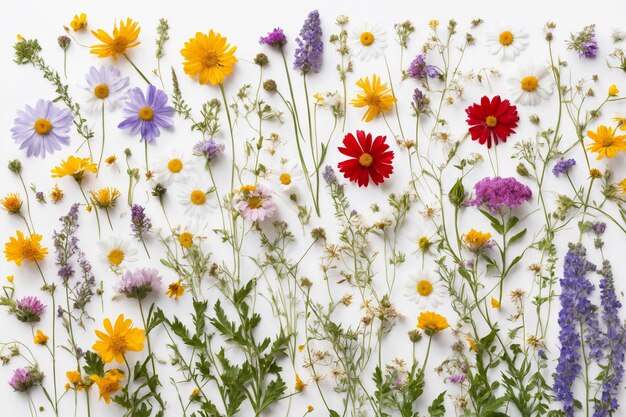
x=437, y=409
x=93, y=364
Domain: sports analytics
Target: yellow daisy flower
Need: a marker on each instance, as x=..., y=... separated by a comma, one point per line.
x=76, y=167
x=123, y=39
x=78, y=22
x=118, y=340
x=299, y=385
x=12, y=203
x=375, y=96
x=40, y=338
x=108, y=384
x=21, y=248
x=175, y=289
x=209, y=57
x=476, y=241
x=432, y=323
x=605, y=143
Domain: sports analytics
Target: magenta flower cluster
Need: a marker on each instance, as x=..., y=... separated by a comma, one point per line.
x=497, y=193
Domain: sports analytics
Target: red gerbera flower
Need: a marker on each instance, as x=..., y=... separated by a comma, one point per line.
x=491, y=120
x=367, y=159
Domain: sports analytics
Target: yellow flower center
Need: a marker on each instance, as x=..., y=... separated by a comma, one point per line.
x=506, y=38
x=285, y=178
x=366, y=160
x=117, y=344
x=424, y=287
x=116, y=257
x=197, y=197
x=530, y=83
x=185, y=239
x=491, y=121
x=255, y=203
x=210, y=59
x=119, y=45
x=175, y=166
x=29, y=251
x=146, y=114
x=372, y=100
x=367, y=38
x=423, y=243
x=101, y=91
x=42, y=126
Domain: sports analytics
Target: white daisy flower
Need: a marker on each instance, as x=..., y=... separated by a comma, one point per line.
x=189, y=234
x=117, y=253
x=105, y=86
x=287, y=175
x=424, y=290
x=368, y=42
x=531, y=85
x=508, y=42
x=171, y=167
x=194, y=198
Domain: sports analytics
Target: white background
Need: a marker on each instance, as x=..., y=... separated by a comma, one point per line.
x=243, y=23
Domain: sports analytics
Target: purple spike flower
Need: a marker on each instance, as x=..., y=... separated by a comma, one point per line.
x=275, y=38
x=29, y=309
x=419, y=70
x=308, y=56
x=140, y=223
x=147, y=114
x=496, y=193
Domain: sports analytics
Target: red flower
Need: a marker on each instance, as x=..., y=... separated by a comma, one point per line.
x=367, y=159
x=491, y=120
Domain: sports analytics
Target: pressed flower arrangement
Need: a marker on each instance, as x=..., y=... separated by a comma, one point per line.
x=430, y=237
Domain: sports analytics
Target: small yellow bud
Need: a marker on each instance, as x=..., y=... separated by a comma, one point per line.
x=613, y=90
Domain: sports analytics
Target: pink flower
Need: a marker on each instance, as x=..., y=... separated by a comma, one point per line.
x=255, y=203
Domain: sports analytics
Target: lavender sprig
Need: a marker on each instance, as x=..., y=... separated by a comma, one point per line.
x=308, y=56
x=140, y=224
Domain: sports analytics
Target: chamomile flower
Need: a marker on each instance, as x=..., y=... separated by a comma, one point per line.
x=171, y=167
x=425, y=291
x=105, y=86
x=189, y=234
x=287, y=175
x=532, y=85
x=368, y=41
x=194, y=197
x=507, y=42
x=117, y=253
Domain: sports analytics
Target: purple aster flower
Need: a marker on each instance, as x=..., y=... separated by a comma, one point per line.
x=139, y=283
x=208, y=148
x=275, y=38
x=146, y=114
x=419, y=70
x=140, y=223
x=563, y=166
x=42, y=129
x=24, y=379
x=458, y=378
x=575, y=309
x=616, y=340
x=29, y=309
x=584, y=42
x=496, y=193
x=308, y=56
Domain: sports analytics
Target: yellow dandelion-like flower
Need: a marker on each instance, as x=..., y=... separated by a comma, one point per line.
x=118, y=339
x=209, y=57
x=74, y=167
x=105, y=197
x=375, y=96
x=122, y=39
x=299, y=385
x=495, y=303
x=56, y=194
x=110, y=160
x=22, y=248
x=175, y=289
x=108, y=384
x=40, y=338
x=12, y=203
x=79, y=22
x=432, y=323
x=605, y=142
x=476, y=240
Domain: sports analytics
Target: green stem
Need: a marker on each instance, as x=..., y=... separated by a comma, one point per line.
x=232, y=138
x=137, y=69
x=102, y=147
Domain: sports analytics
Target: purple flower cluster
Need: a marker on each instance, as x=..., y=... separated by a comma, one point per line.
x=139, y=222
x=308, y=56
x=208, y=148
x=275, y=38
x=329, y=175
x=563, y=166
x=29, y=309
x=419, y=70
x=616, y=344
x=496, y=193
x=147, y=114
x=584, y=42
x=139, y=283
x=24, y=379
x=575, y=309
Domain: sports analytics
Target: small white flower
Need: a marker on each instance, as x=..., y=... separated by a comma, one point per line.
x=287, y=175
x=425, y=291
x=531, y=85
x=105, y=86
x=189, y=234
x=171, y=167
x=507, y=42
x=194, y=198
x=368, y=42
x=116, y=253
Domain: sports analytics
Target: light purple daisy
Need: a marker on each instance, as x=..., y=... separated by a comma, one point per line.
x=139, y=283
x=29, y=309
x=42, y=129
x=255, y=203
x=146, y=114
x=105, y=86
